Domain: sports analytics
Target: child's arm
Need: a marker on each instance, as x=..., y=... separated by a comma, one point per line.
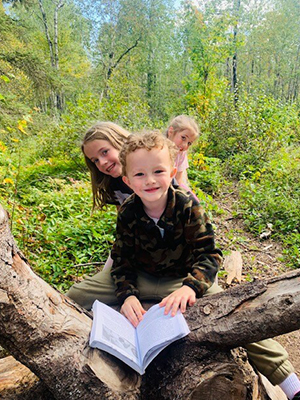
x=199, y=235
x=181, y=165
x=133, y=310
x=123, y=254
x=179, y=299
x=179, y=177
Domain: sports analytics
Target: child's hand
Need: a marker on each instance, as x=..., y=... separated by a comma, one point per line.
x=133, y=310
x=179, y=299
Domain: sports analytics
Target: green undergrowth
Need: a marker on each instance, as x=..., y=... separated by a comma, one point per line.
x=53, y=225
x=270, y=200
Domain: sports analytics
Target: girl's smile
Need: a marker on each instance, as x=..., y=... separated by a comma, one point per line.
x=104, y=156
x=182, y=139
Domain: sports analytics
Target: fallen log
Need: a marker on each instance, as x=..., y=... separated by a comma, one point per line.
x=17, y=382
x=48, y=333
x=249, y=312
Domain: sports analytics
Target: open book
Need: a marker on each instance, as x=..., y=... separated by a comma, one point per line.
x=137, y=347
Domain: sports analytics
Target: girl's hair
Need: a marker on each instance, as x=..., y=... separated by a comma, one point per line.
x=182, y=122
x=148, y=141
x=116, y=136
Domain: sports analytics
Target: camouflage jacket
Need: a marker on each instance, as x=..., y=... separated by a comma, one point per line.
x=187, y=249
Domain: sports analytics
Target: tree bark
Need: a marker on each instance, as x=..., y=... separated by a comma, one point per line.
x=17, y=382
x=46, y=27
x=48, y=333
x=57, y=98
x=249, y=312
x=233, y=265
x=237, y=4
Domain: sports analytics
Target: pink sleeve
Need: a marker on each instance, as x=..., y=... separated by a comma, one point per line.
x=181, y=161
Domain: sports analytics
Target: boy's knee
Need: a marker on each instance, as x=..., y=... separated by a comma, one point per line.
x=270, y=359
x=281, y=373
x=76, y=295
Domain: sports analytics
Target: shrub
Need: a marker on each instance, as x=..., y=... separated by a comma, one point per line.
x=205, y=172
x=251, y=132
x=56, y=230
x=272, y=195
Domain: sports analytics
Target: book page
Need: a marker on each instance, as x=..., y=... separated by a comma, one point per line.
x=114, y=330
x=157, y=329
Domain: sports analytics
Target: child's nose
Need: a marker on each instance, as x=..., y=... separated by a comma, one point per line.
x=102, y=161
x=150, y=179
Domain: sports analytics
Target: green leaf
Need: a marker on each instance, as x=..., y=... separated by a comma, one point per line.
x=5, y=78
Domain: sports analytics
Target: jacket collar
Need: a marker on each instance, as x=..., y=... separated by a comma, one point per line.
x=166, y=220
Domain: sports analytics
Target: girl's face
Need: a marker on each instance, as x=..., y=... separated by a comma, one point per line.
x=182, y=139
x=104, y=156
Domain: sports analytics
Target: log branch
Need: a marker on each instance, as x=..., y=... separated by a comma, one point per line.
x=248, y=313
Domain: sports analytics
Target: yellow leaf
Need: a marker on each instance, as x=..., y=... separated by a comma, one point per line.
x=20, y=127
x=8, y=180
x=15, y=140
x=3, y=148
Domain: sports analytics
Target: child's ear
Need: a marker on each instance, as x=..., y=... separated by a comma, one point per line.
x=170, y=132
x=126, y=180
x=173, y=172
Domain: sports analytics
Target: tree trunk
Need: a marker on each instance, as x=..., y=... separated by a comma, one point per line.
x=46, y=27
x=57, y=98
x=237, y=4
x=48, y=333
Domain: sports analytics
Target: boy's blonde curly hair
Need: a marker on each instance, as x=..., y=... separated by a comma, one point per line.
x=148, y=141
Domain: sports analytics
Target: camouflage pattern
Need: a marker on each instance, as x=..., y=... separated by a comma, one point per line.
x=187, y=249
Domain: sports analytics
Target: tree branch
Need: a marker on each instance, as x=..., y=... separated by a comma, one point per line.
x=110, y=70
x=249, y=312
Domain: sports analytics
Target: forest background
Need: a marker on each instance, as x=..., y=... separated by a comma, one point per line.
x=234, y=65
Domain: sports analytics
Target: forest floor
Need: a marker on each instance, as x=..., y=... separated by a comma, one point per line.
x=261, y=258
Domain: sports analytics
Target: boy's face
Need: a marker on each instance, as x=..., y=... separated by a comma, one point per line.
x=149, y=175
x=183, y=139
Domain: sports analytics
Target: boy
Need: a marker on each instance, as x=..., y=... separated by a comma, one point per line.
x=164, y=238
x=160, y=231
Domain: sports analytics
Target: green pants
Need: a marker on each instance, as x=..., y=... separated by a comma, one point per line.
x=268, y=356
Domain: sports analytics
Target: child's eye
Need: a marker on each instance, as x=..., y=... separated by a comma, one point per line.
x=104, y=152
x=183, y=138
x=95, y=161
x=159, y=171
x=139, y=174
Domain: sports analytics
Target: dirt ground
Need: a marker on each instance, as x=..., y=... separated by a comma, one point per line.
x=260, y=258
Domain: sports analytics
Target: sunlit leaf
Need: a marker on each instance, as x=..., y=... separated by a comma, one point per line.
x=5, y=78
x=8, y=181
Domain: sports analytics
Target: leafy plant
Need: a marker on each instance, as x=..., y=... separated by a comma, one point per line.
x=205, y=172
x=57, y=231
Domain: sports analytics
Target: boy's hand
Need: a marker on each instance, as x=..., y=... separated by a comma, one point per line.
x=133, y=310
x=178, y=299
